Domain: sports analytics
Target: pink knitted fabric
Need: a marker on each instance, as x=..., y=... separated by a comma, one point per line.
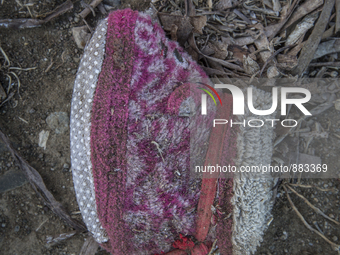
x=139, y=140
x=109, y=127
x=136, y=131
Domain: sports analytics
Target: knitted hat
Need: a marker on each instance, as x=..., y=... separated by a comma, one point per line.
x=132, y=113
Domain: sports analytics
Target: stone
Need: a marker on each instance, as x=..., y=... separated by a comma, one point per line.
x=12, y=179
x=337, y=104
x=58, y=121
x=81, y=36
x=43, y=137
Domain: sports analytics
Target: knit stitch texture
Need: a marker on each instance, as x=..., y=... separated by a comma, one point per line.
x=136, y=129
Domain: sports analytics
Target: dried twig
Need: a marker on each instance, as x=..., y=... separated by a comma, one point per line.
x=192, y=43
x=317, y=210
x=316, y=110
x=312, y=186
x=88, y=10
x=325, y=48
x=273, y=30
x=303, y=10
x=57, y=239
x=159, y=149
x=29, y=23
x=335, y=246
x=325, y=64
x=38, y=185
x=308, y=50
x=273, y=56
x=337, y=21
x=213, y=248
x=241, y=15
x=8, y=98
x=90, y=246
x=5, y=56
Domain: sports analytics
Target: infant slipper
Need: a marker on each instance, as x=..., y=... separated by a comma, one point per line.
x=135, y=102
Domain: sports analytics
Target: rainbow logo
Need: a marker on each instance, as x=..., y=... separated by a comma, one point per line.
x=204, y=98
x=213, y=90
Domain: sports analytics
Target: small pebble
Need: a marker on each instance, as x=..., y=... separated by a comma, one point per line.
x=334, y=74
x=284, y=236
x=335, y=238
x=66, y=167
x=337, y=104
x=16, y=228
x=3, y=225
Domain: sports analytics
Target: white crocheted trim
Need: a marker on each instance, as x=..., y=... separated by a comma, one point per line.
x=253, y=192
x=83, y=93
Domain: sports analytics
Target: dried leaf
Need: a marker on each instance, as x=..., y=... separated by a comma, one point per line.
x=198, y=23
x=297, y=48
x=173, y=32
x=326, y=48
x=257, y=9
x=313, y=41
x=272, y=30
x=303, y=10
x=189, y=8
x=192, y=43
x=250, y=66
x=212, y=71
x=210, y=4
x=337, y=21
x=268, y=3
x=276, y=5
x=224, y=4
x=183, y=24
x=90, y=246
x=220, y=49
x=287, y=62
x=301, y=29
x=263, y=43
x=241, y=15
x=238, y=52
x=81, y=36
x=208, y=50
x=273, y=72
x=242, y=41
x=328, y=33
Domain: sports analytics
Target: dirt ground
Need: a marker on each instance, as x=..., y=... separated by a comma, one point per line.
x=24, y=220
